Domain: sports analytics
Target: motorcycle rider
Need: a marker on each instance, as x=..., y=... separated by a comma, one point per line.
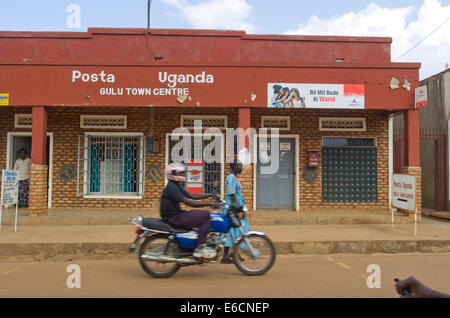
x=171, y=213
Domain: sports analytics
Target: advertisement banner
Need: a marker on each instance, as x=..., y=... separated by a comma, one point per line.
x=195, y=177
x=4, y=99
x=195, y=173
x=421, y=97
x=326, y=96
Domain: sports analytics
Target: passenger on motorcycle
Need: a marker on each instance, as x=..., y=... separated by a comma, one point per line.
x=171, y=213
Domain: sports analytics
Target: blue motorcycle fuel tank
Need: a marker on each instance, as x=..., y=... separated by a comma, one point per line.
x=219, y=224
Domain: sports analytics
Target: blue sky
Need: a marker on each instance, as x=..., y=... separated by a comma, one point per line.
x=406, y=21
x=268, y=16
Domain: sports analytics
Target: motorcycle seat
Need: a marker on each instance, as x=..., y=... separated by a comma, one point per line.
x=160, y=225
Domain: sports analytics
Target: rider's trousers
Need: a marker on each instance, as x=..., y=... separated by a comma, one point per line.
x=193, y=218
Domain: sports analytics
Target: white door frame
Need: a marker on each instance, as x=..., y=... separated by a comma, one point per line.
x=296, y=166
x=391, y=155
x=9, y=164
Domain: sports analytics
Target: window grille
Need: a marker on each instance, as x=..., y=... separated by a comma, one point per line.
x=212, y=171
x=188, y=121
x=342, y=124
x=349, y=142
x=103, y=121
x=111, y=165
x=23, y=121
x=280, y=122
x=349, y=170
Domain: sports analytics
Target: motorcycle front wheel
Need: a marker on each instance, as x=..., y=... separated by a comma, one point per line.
x=257, y=262
x=155, y=246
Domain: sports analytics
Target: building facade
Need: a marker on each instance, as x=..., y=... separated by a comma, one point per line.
x=434, y=150
x=103, y=112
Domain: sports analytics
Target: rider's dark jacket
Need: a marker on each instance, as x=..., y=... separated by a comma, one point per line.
x=171, y=197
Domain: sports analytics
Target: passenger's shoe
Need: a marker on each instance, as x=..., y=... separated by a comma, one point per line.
x=204, y=251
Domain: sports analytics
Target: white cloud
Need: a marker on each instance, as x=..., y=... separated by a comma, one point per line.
x=215, y=14
x=406, y=26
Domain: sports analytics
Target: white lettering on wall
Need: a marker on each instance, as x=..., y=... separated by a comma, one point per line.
x=174, y=79
x=94, y=77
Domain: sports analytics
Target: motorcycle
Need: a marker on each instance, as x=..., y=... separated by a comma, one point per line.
x=163, y=249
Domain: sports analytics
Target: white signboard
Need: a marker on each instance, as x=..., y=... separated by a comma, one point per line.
x=10, y=187
x=195, y=173
x=327, y=96
x=285, y=146
x=421, y=98
x=404, y=192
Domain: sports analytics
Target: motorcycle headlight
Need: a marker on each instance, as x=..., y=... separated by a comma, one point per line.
x=244, y=208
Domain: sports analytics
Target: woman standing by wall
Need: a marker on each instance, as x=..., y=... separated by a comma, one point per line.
x=234, y=198
x=22, y=165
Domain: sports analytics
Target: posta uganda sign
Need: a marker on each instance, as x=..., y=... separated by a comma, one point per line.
x=404, y=192
x=187, y=86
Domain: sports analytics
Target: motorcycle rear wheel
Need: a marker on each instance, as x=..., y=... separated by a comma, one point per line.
x=248, y=264
x=156, y=244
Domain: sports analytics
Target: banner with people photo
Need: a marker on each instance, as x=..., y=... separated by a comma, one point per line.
x=328, y=96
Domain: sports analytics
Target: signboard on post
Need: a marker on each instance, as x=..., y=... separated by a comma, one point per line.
x=421, y=98
x=404, y=192
x=10, y=187
x=9, y=191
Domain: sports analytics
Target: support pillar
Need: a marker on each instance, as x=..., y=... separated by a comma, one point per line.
x=244, y=135
x=38, y=198
x=412, y=138
x=244, y=155
x=412, y=153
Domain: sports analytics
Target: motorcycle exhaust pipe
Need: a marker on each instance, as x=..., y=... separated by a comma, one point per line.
x=164, y=259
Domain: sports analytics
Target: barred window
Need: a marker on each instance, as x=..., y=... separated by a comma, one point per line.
x=342, y=124
x=113, y=165
x=23, y=121
x=188, y=121
x=103, y=121
x=212, y=170
x=349, y=142
x=280, y=122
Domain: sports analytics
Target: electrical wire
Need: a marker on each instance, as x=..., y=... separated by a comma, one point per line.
x=448, y=19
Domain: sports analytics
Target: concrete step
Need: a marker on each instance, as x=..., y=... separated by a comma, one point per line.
x=327, y=218
x=102, y=250
x=442, y=215
x=119, y=217
x=46, y=242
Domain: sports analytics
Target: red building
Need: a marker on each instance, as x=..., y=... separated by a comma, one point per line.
x=97, y=111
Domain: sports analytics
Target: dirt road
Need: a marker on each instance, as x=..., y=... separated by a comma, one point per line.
x=292, y=276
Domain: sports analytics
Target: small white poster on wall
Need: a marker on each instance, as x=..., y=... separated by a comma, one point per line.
x=286, y=146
